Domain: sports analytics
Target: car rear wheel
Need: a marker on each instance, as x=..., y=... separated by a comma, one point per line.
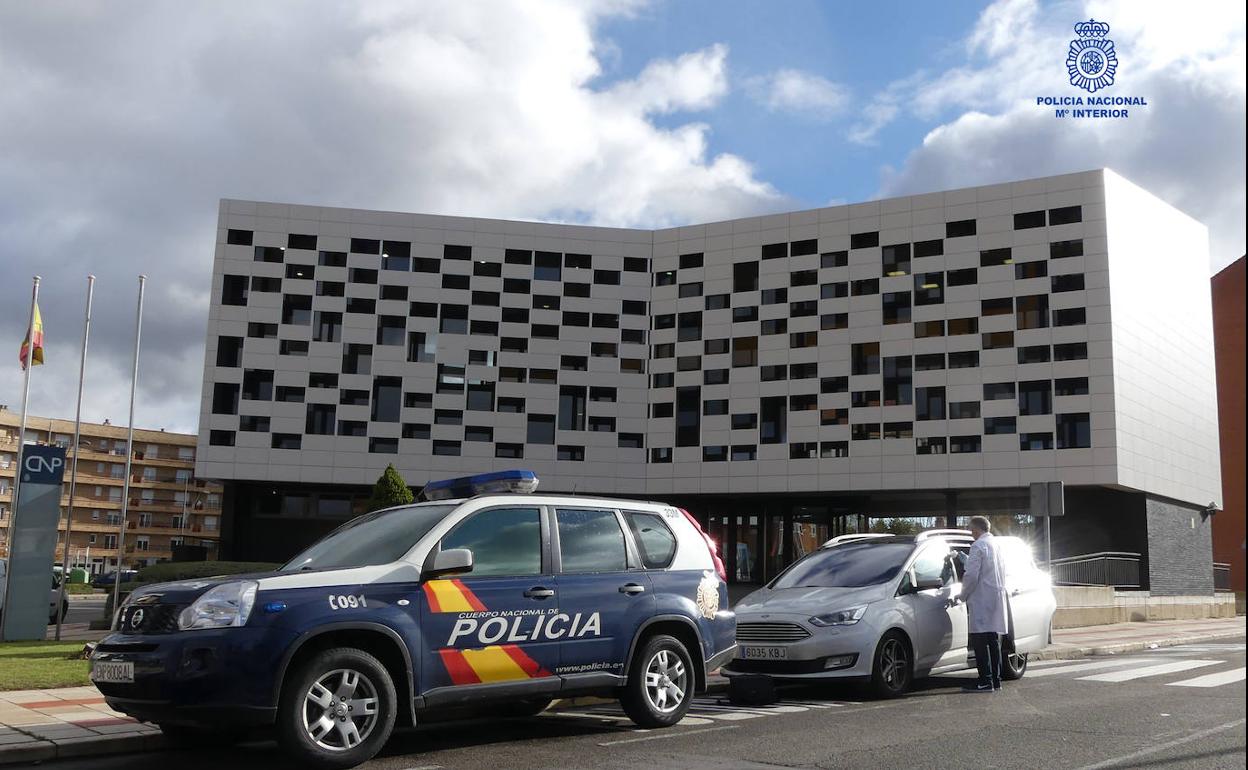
x=660, y=683
x=893, y=670
x=337, y=710
x=1013, y=665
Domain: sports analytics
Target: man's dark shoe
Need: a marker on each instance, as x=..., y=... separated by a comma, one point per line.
x=996, y=687
x=983, y=687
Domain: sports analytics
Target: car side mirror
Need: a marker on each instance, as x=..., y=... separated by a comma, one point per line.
x=453, y=561
x=928, y=584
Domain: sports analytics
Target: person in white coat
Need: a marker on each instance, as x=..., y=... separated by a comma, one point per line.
x=983, y=590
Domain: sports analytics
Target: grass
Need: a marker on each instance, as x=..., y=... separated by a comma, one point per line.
x=79, y=588
x=42, y=665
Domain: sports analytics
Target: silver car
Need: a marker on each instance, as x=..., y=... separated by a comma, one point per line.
x=883, y=609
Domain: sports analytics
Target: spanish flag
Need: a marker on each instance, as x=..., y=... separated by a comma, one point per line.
x=33, y=337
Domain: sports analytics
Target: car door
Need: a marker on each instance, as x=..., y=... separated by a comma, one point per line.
x=486, y=633
x=1029, y=594
x=604, y=595
x=934, y=619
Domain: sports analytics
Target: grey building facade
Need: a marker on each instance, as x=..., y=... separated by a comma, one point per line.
x=784, y=377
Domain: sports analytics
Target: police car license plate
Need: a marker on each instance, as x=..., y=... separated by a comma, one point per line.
x=764, y=653
x=114, y=671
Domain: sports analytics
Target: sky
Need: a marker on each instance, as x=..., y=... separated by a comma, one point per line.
x=122, y=125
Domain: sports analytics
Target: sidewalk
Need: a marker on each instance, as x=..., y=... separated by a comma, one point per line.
x=39, y=725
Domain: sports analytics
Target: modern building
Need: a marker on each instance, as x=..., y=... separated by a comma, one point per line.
x=169, y=507
x=1228, y=334
x=783, y=377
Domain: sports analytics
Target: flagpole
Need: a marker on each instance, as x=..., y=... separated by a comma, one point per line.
x=125, y=490
x=66, y=561
x=21, y=432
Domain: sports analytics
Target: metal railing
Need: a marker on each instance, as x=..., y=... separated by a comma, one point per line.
x=1221, y=576
x=1119, y=569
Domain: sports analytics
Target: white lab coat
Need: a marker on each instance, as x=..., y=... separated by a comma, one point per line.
x=983, y=588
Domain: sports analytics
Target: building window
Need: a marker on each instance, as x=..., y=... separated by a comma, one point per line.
x=745, y=276
x=446, y=448
x=387, y=398
x=1025, y=270
x=453, y=319
x=896, y=307
x=997, y=340
x=509, y=451
x=289, y=394
x=1074, y=431
x=775, y=250
x=689, y=290
x=225, y=398
x=865, y=432
x=661, y=455
x=963, y=410
x=745, y=351
x=541, y=429
x=774, y=326
x=995, y=257
x=292, y=347
x=865, y=287
x=238, y=237
x=1033, y=354
x=1035, y=397
x=960, y=229
x=773, y=420
x=929, y=288
x=715, y=376
x=833, y=417
x=807, y=450
x=964, y=444
x=571, y=407
x=864, y=240
x=717, y=301
x=1030, y=442
x=835, y=290
x=1070, y=351
x=866, y=358
x=1071, y=386
x=743, y=421
x=416, y=430
x=832, y=321
x=964, y=277
x=929, y=403
x=1065, y=216
x=743, y=314
x=773, y=373
x=1062, y=249
x=896, y=259
x=1071, y=282
x=421, y=346
x=448, y=417
x=1073, y=316
x=999, y=425
x=898, y=430
x=478, y=433
x=803, y=278
x=929, y=248
x=221, y=438
x=834, y=259
x=998, y=391
x=865, y=398
x=291, y=441
x=997, y=306
x=925, y=329
x=743, y=453
x=714, y=454
x=1032, y=312
x=665, y=278
x=357, y=359
x=320, y=419
x=1028, y=220
x=932, y=445
x=833, y=449
x=234, y=290
x=266, y=284
x=384, y=446
x=229, y=351
x=968, y=359
x=898, y=379
x=834, y=384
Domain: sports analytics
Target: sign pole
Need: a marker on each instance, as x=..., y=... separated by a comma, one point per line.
x=66, y=564
x=125, y=491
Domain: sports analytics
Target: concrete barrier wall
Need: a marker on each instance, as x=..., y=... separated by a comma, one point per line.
x=1096, y=605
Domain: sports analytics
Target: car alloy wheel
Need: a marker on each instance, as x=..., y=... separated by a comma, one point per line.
x=340, y=709
x=894, y=664
x=667, y=679
x=1014, y=665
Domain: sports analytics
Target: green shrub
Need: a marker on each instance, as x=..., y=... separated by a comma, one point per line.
x=189, y=570
x=79, y=588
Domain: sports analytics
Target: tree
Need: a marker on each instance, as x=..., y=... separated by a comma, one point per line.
x=896, y=526
x=390, y=490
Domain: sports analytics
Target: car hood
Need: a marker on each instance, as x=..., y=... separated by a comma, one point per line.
x=808, y=600
x=187, y=591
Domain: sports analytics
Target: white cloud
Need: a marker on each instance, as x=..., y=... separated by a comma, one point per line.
x=119, y=132
x=799, y=93
x=1187, y=146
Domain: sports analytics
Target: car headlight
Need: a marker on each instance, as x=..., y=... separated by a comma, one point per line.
x=846, y=617
x=224, y=606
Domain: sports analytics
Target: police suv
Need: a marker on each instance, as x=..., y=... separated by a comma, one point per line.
x=478, y=596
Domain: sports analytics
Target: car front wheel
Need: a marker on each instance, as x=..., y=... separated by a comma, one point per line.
x=660, y=683
x=337, y=710
x=893, y=670
x=1013, y=665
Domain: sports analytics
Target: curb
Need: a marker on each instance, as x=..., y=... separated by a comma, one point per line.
x=95, y=746
x=1146, y=644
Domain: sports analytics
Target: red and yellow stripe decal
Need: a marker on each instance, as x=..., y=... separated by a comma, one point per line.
x=451, y=596
x=496, y=663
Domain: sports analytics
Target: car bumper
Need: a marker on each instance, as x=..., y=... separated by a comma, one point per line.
x=841, y=653
x=208, y=677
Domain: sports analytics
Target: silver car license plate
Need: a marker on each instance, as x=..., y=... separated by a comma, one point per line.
x=112, y=671
x=764, y=653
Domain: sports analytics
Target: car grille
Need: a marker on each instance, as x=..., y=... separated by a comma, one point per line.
x=770, y=632
x=156, y=619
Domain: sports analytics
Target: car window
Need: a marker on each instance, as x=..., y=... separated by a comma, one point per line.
x=932, y=565
x=590, y=541
x=374, y=538
x=503, y=541
x=654, y=539
x=852, y=565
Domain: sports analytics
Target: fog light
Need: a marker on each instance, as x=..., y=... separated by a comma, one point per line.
x=840, y=661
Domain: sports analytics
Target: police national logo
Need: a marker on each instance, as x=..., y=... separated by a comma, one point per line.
x=708, y=595
x=1091, y=60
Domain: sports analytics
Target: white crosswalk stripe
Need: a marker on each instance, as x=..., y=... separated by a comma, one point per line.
x=1216, y=679
x=705, y=711
x=1095, y=665
x=1173, y=667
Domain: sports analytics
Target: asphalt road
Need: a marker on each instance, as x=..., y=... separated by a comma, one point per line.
x=1114, y=711
x=85, y=608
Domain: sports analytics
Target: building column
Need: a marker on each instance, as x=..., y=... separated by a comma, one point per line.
x=951, y=509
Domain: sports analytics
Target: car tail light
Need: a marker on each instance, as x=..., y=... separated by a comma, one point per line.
x=710, y=545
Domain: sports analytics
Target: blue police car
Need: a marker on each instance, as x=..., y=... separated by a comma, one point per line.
x=484, y=594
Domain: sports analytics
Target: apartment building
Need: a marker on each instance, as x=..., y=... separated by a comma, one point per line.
x=783, y=377
x=169, y=507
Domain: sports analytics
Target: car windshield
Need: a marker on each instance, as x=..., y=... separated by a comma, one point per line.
x=852, y=565
x=374, y=538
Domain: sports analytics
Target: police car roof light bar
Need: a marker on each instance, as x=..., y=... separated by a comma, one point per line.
x=515, y=481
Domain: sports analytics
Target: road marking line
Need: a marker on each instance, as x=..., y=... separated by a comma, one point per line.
x=1094, y=666
x=760, y=710
x=680, y=734
x=727, y=716
x=1128, y=759
x=590, y=715
x=1213, y=680
x=1158, y=670
x=689, y=721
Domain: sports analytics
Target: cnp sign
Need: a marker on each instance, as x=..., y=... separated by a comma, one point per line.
x=42, y=464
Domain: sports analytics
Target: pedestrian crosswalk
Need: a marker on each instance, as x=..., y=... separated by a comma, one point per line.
x=1156, y=664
